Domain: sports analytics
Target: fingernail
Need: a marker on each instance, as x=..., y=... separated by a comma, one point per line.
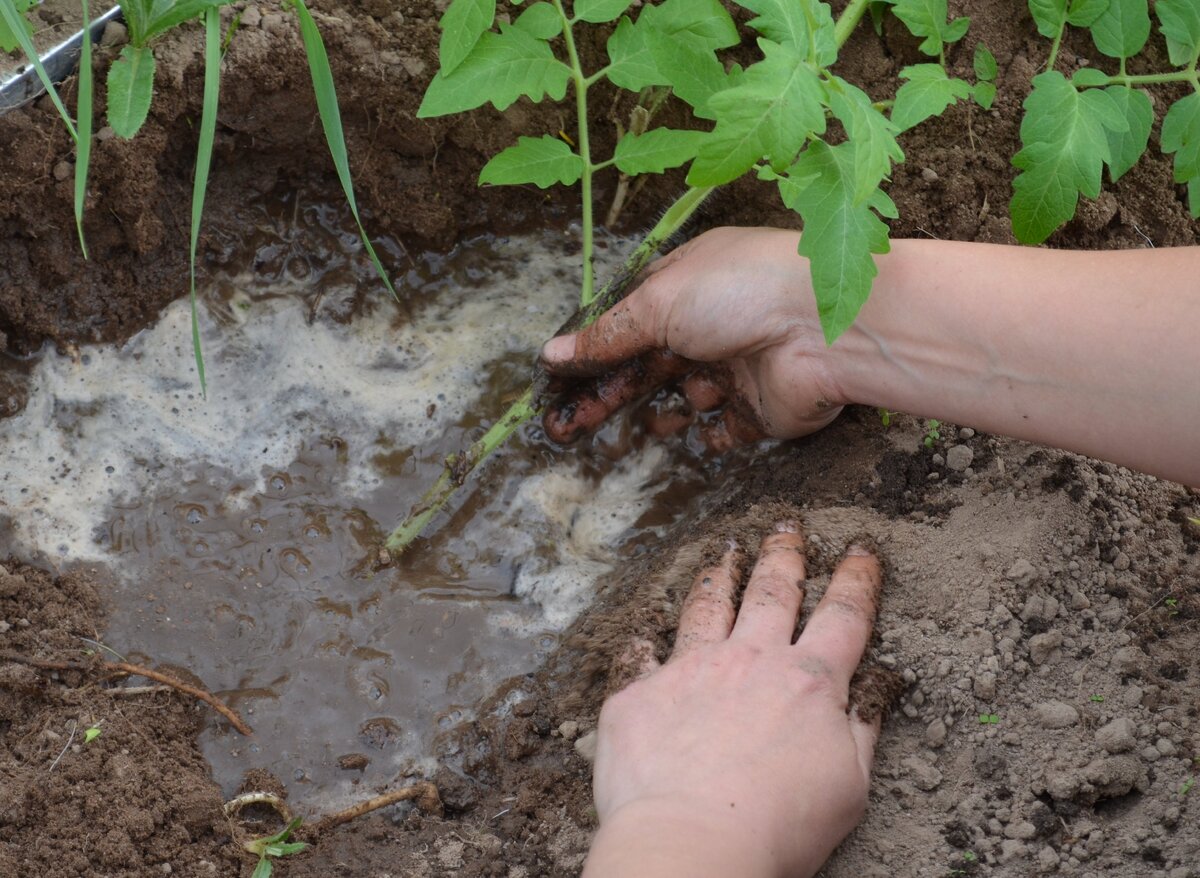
x=787, y=527
x=560, y=349
x=860, y=551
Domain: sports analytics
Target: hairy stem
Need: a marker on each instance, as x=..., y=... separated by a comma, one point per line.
x=587, y=290
x=849, y=20
x=1054, y=47
x=458, y=467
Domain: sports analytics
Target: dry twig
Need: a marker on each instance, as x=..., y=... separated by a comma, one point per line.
x=424, y=792
x=138, y=671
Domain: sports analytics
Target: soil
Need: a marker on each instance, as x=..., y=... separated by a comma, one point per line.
x=1041, y=608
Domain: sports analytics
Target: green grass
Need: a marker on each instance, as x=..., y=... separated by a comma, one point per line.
x=83, y=115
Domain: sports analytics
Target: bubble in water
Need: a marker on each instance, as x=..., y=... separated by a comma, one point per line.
x=195, y=515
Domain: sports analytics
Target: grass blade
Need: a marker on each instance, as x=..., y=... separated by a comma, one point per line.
x=8, y=11
x=83, y=117
x=331, y=121
x=208, y=130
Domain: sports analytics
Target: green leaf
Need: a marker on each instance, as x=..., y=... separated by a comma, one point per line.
x=693, y=72
x=788, y=22
x=83, y=116
x=657, y=150
x=292, y=847
x=462, y=24
x=208, y=130
x=775, y=109
x=331, y=123
x=149, y=18
x=927, y=19
x=841, y=232
x=1127, y=147
x=871, y=134
x=16, y=28
x=502, y=68
x=927, y=92
x=1181, y=135
x=1065, y=147
x=540, y=20
x=1089, y=76
x=263, y=869
x=130, y=89
x=984, y=94
x=985, y=64
x=1051, y=16
x=1122, y=30
x=600, y=11
x=704, y=24
x=1179, y=20
x=91, y=734
x=631, y=59
x=542, y=161
x=8, y=37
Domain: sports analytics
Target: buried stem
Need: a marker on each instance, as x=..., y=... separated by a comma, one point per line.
x=458, y=467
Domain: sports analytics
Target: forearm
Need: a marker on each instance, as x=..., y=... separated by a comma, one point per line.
x=1095, y=352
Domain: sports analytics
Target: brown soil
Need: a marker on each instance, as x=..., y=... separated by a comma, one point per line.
x=1053, y=592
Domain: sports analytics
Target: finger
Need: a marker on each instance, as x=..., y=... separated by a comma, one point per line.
x=775, y=592
x=743, y=428
x=840, y=626
x=584, y=410
x=622, y=333
x=666, y=417
x=703, y=392
x=866, y=736
x=707, y=615
x=716, y=436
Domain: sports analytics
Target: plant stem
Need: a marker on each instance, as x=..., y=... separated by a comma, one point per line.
x=1055, y=46
x=587, y=289
x=458, y=467
x=849, y=20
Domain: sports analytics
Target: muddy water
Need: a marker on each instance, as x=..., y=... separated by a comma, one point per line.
x=242, y=531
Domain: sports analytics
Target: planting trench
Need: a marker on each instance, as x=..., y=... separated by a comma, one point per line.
x=235, y=539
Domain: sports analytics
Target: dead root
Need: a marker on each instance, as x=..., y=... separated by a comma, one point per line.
x=424, y=793
x=125, y=668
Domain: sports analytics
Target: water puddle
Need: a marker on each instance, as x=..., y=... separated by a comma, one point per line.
x=242, y=531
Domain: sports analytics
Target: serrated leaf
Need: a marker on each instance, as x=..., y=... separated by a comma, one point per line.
x=1050, y=16
x=1126, y=147
x=1179, y=20
x=1065, y=137
x=542, y=161
x=540, y=20
x=985, y=64
x=631, y=60
x=462, y=24
x=984, y=94
x=927, y=92
x=8, y=39
x=1181, y=135
x=871, y=134
x=704, y=24
x=130, y=89
x=149, y=18
x=694, y=73
x=503, y=67
x=600, y=11
x=657, y=150
x=927, y=19
x=1122, y=29
x=787, y=22
x=840, y=232
x=774, y=110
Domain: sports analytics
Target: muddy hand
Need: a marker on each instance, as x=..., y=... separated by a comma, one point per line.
x=740, y=755
x=730, y=318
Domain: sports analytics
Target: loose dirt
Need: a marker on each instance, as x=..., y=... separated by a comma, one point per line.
x=1052, y=596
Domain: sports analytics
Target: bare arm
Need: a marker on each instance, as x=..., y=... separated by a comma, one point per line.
x=1095, y=352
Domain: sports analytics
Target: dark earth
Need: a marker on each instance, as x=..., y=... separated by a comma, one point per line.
x=1053, y=592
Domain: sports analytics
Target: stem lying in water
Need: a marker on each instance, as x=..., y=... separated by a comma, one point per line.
x=458, y=467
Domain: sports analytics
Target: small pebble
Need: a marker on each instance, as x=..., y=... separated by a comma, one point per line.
x=959, y=457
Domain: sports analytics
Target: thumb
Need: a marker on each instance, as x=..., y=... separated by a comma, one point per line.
x=620, y=334
x=866, y=736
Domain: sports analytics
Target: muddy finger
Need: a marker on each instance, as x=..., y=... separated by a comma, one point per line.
x=703, y=392
x=583, y=411
x=707, y=615
x=625, y=332
x=840, y=627
x=775, y=591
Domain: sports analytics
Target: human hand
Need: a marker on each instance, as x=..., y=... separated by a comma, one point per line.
x=739, y=756
x=732, y=314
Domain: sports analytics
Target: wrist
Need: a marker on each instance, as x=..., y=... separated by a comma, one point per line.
x=659, y=837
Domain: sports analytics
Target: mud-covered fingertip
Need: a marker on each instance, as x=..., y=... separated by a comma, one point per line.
x=859, y=550
x=560, y=349
x=787, y=526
